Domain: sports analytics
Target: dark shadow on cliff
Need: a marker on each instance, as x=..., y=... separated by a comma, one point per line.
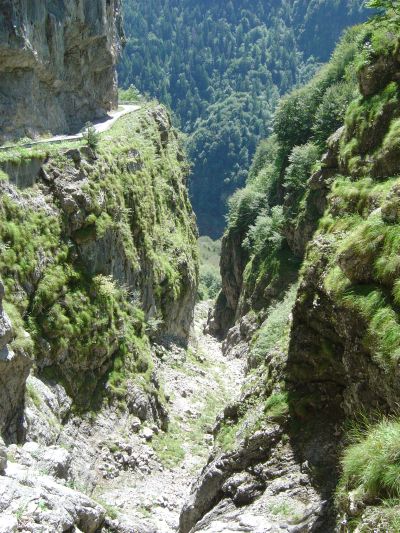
x=331, y=378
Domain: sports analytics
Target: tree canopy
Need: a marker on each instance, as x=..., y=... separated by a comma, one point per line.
x=221, y=66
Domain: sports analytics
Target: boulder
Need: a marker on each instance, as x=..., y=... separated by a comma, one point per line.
x=147, y=434
x=57, y=462
x=45, y=506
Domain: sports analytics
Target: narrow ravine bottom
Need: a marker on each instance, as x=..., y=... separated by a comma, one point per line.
x=198, y=382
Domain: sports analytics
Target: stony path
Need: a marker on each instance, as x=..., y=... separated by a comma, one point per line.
x=199, y=383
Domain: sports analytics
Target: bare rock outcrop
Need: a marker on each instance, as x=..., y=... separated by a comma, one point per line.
x=14, y=370
x=233, y=262
x=36, y=502
x=57, y=60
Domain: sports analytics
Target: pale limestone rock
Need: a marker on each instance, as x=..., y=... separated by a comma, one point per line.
x=147, y=434
x=57, y=59
x=8, y=523
x=44, y=505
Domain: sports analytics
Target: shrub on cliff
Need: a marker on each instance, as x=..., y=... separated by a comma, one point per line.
x=266, y=232
x=91, y=136
x=391, y=6
x=303, y=122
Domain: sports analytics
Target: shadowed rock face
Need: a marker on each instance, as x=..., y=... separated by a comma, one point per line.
x=57, y=64
x=14, y=369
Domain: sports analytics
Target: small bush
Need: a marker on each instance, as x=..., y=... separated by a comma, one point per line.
x=295, y=115
x=91, y=137
x=244, y=207
x=266, y=232
x=301, y=161
x=331, y=111
x=132, y=94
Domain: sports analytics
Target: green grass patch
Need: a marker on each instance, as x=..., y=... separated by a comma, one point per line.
x=33, y=395
x=360, y=197
x=111, y=510
x=277, y=406
x=367, y=122
x=285, y=509
x=168, y=446
x=273, y=335
x=371, y=464
x=383, y=328
x=226, y=437
x=368, y=281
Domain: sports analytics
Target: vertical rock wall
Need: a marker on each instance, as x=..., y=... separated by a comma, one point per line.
x=57, y=64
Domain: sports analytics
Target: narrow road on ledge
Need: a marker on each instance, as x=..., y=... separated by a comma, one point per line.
x=100, y=127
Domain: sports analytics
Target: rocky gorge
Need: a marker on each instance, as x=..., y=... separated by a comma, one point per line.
x=128, y=404
x=98, y=265
x=309, y=270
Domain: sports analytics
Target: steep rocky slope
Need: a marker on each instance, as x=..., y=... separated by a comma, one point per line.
x=57, y=64
x=107, y=402
x=309, y=299
x=98, y=256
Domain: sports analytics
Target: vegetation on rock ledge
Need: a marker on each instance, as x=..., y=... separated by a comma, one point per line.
x=86, y=315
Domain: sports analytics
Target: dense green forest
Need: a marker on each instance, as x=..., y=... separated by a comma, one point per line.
x=221, y=67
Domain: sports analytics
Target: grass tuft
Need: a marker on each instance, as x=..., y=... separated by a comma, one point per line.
x=371, y=465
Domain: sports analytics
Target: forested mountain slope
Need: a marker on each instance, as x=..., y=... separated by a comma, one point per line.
x=310, y=271
x=221, y=67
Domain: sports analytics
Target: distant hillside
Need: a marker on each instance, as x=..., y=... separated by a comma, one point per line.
x=221, y=67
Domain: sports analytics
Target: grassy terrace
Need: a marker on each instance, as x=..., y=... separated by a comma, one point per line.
x=16, y=152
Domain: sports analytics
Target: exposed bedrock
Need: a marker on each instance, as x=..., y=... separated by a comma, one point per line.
x=57, y=59
x=14, y=370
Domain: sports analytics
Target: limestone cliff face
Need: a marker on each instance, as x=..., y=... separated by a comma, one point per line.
x=98, y=256
x=98, y=262
x=14, y=369
x=57, y=64
x=233, y=262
